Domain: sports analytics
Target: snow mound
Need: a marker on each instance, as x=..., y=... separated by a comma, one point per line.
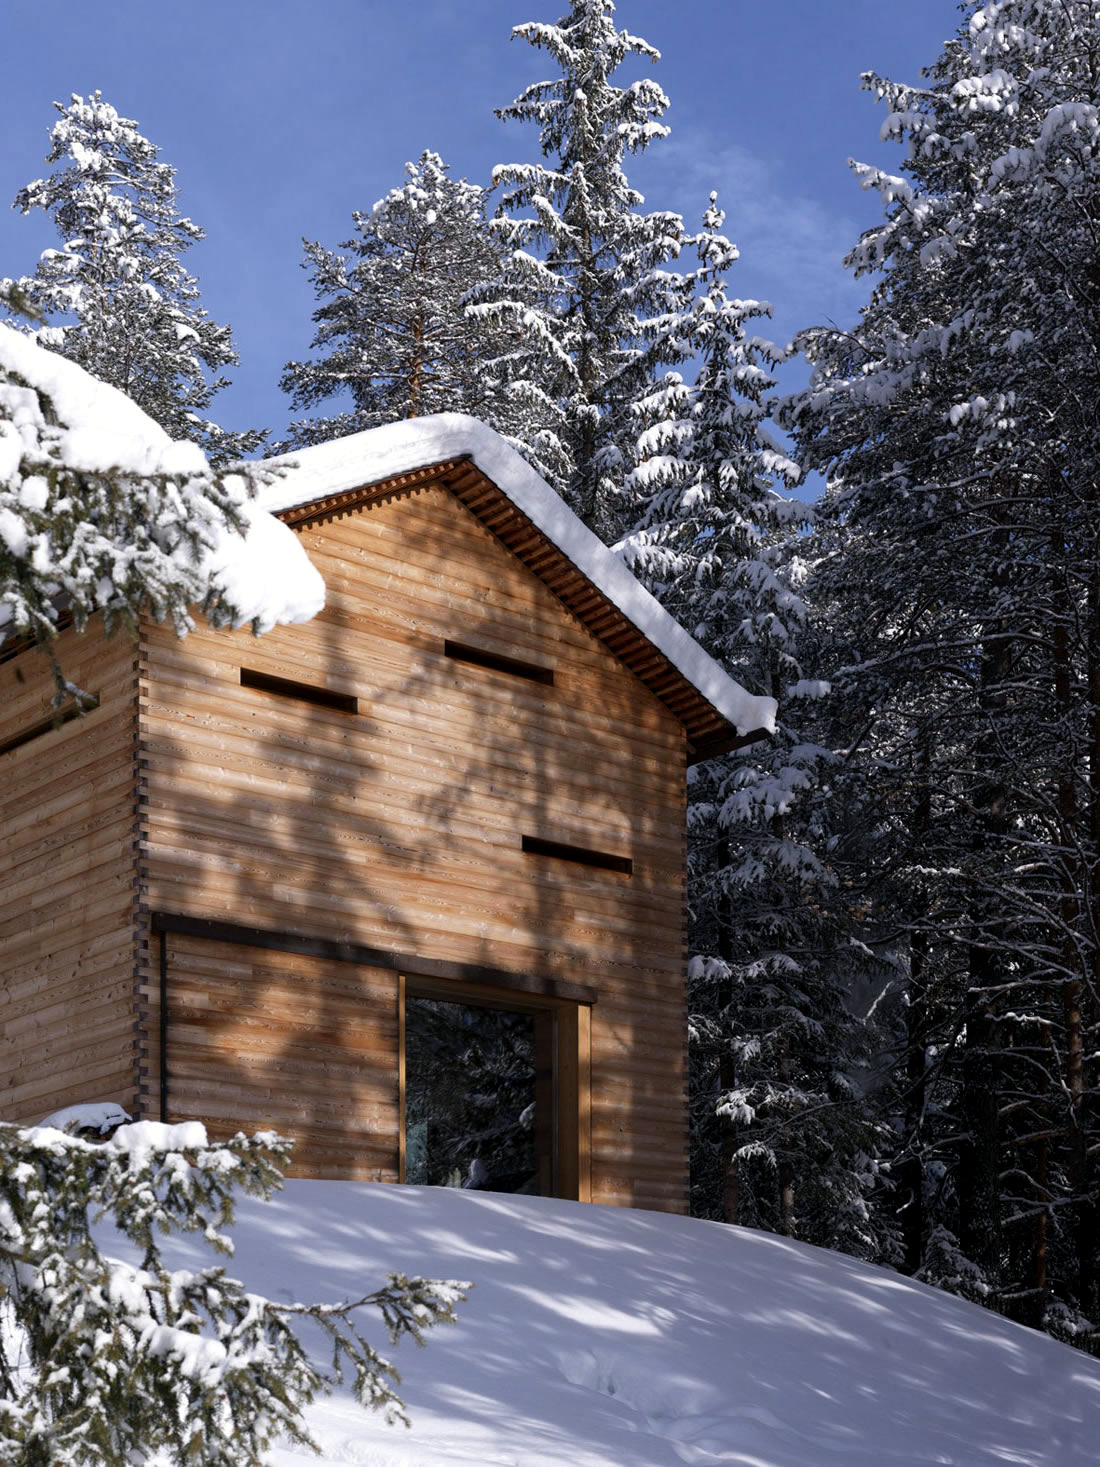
x=265, y=573
x=98, y=1115
x=599, y=1337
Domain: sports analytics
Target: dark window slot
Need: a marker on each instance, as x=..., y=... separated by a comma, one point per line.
x=285, y=687
x=463, y=652
x=20, y=642
x=583, y=856
x=15, y=647
x=47, y=725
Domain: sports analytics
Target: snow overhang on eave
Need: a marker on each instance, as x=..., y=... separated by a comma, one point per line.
x=496, y=485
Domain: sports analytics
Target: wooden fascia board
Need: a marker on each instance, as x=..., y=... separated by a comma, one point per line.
x=710, y=748
x=332, y=506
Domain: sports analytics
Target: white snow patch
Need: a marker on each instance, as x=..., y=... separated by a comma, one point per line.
x=601, y=1337
x=809, y=687
x=97, y=1115
x=266, y=574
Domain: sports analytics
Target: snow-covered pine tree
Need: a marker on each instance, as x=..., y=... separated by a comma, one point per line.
x=392, y=333
x=101, y=512
x=701, y=492
x=781, y=1135
x=580, y=307
x=109, y=1362
x=958, y=427
x=120, y=303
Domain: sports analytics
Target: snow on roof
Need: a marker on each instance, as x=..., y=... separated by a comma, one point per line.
x=266, y=575
x=399, y=448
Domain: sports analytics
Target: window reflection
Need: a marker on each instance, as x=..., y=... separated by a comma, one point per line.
x=477, y=1083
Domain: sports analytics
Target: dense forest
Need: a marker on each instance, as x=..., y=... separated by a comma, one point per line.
x=895, y=905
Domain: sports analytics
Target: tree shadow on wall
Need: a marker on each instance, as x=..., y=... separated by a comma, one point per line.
x=399, y=827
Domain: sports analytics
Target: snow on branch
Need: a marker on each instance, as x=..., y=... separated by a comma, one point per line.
x=106, y=1362
x=101, y=511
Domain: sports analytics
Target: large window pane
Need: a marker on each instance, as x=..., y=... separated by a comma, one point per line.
x=478, y=1096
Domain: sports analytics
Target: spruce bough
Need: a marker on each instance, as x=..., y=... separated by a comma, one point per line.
x=105, y=1363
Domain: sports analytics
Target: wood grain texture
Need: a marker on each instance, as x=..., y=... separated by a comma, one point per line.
x=400, y=827
x=298, y=1045
x=67, y=883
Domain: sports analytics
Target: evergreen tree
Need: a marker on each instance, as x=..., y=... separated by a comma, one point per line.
x=107, y=1363
x=101, y=512
x=782, y=1137
x=957, y=424
x=580, y=310
x=128, y=310
x=392, y=331
x=702, y=490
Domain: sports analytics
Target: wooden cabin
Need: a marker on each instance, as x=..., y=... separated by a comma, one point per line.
x=334, y=879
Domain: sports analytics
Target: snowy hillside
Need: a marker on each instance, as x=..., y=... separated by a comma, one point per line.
x=597, y=1337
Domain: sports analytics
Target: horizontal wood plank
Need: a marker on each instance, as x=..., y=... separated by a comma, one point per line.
x=67, y=883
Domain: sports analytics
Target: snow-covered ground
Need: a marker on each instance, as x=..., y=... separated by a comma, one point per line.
x=597, y=1337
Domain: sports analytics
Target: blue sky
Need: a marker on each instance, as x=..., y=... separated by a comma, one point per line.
x=281, y=119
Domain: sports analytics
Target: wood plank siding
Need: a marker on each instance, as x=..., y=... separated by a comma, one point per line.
x=68, y=895
x=295, y=1044
x=400, y=826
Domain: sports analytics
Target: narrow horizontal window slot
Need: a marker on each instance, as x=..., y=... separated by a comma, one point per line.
x=47, y=725
x=559, y=850
x=285, y=687
x=514, y=666
x=15, y=647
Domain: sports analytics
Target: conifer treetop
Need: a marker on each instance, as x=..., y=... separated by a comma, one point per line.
x=587, y=269
x=708, y=512
x=130, y=311
x=588, y=48
x=392, y=332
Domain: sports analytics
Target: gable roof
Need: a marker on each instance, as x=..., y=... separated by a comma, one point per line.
x=478, y=467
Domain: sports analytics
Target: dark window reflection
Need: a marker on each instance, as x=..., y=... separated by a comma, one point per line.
x=476, y=1092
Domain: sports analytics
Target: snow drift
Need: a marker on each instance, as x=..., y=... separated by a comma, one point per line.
x=598, y=1337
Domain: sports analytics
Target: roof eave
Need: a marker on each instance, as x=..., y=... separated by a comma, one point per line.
x=506, y=494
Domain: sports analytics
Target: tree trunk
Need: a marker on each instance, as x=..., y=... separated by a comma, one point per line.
x=911, y=1171
x=727, y=1076
x=1083, y=1097
x=977, y=1182
x=416, y=376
